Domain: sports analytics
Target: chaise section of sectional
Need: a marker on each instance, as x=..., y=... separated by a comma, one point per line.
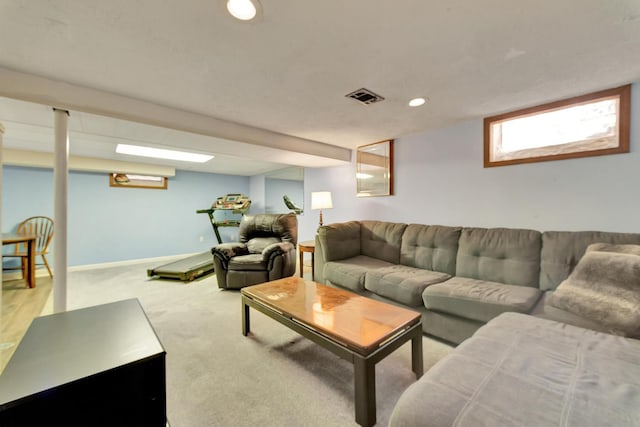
x=520, y=370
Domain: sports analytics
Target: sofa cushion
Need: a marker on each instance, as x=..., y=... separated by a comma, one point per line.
x=520, y=370
x=431, y=247
x=248, y=262
x=349, y=273
x=382, y=240
x=605, y=287
x=503, y=255
x=478, y=299
x=561, y=251
x=401, y=283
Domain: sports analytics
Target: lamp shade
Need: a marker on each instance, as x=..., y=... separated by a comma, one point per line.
x=321, y=200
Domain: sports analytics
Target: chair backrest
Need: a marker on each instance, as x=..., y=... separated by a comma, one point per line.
x=42, y=226
x=281, y=226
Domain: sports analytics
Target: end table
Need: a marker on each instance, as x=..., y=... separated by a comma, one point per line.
x=308, y=246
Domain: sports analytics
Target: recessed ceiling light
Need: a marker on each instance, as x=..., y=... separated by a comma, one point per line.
x=244, y=10
x=158, y=153
x=416, y=102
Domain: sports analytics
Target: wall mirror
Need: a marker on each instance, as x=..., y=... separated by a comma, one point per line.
x=374, y=169
x=284, y=190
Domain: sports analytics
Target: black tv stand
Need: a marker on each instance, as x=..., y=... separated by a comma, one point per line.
x=97, y=366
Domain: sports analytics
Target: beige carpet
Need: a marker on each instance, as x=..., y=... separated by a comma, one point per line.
x=217, y=377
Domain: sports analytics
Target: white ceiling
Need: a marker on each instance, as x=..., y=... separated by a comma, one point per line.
x=288, y=72
x=29, y=127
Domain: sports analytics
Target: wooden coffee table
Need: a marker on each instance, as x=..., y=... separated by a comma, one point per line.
x=358, y=329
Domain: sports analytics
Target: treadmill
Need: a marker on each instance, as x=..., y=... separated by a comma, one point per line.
x=186, y=269
x=198, y=265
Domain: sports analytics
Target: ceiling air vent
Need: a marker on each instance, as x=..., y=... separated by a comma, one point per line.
x=365, y=96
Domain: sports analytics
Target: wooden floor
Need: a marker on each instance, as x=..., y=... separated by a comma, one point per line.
x=20, y=305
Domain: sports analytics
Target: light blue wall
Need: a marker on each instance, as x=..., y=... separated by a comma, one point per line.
x=440, y=179
x=257, y=193
x=109, y=224
x=275, y=189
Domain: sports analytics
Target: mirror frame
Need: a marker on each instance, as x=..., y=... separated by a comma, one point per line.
x=368, y=158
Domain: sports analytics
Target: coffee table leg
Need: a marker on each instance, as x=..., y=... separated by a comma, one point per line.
x=246, y=326
x=365, y=391
x=416, y=354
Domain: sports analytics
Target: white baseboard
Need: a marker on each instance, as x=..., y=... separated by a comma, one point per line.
x=15, y=275
x=42, y=272
x=168, y=258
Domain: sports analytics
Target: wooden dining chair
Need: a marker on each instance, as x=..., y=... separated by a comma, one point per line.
x=41, y=226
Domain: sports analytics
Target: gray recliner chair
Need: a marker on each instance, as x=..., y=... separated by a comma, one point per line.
x=266, y=251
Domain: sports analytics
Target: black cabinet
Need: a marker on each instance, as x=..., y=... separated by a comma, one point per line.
x=97, y=366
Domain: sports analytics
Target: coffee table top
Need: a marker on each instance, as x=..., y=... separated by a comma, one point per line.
x=357, y=322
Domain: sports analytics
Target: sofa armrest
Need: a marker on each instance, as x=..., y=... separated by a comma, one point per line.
x=318, y=268
x=340, y=241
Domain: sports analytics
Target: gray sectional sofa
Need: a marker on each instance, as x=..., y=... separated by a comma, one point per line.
x=548, y=321
x=521, y=370
x=458, y=278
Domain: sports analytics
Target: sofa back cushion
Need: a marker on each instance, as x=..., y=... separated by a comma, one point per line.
x=340, y=241
x=430, y=247
x=382, y=240
x=561, y=251
x=504, y=255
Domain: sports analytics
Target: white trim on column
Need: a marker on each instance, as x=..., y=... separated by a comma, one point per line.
x=1, y=142
x=60, y=202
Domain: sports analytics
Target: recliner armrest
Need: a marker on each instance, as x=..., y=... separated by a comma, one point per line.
x=226, y=251
x=276, y=249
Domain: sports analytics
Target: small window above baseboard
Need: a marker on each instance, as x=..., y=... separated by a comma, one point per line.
x=589, y=125
x=128, y=180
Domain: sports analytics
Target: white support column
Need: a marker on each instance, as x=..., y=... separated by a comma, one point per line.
x=1, y=146
x=60, y=180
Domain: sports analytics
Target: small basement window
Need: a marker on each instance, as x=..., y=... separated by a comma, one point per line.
x=588, y=125
x=125, y=180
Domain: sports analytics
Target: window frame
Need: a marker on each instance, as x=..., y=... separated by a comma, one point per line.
x=138, y=183
x=623, y=93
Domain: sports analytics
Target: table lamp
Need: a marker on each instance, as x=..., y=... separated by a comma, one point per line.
x=321, y=200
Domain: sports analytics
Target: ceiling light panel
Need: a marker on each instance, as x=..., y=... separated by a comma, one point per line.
x=158, y=153
x=416, y=102
x=244, y=10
